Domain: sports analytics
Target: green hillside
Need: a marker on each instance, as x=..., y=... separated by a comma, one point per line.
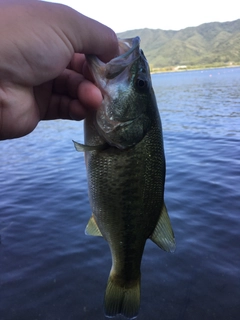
x=210, y=44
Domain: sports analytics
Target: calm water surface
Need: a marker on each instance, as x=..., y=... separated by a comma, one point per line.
x=49, y=269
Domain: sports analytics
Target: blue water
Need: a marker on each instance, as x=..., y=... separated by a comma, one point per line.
x=49, y=269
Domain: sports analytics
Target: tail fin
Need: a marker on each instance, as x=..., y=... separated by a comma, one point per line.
x=123, y=300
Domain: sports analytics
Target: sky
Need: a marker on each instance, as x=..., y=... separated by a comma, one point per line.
x=123, y=15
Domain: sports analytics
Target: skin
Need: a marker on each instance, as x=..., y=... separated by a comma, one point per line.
x=43, y=73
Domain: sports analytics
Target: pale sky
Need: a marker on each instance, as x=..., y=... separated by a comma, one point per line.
x=123, y=15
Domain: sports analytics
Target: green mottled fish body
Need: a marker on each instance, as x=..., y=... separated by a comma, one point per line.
x=126, y=176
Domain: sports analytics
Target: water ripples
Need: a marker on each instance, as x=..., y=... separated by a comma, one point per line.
x=51, y=270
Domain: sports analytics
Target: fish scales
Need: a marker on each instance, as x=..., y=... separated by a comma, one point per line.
x=125, y=163
x=125, y=192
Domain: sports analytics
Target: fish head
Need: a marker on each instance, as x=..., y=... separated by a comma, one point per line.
x=123, y=118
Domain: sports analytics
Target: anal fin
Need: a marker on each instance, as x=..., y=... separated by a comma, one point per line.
x=163, y=234
x=92, y=228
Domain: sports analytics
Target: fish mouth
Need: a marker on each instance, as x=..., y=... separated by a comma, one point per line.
x=105, y=72
x=118, y=123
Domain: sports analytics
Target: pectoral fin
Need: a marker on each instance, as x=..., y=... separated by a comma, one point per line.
x=92, y=228
x=163, y=234
x=84, y=147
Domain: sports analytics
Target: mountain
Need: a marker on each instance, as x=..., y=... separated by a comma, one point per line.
x=212, y=43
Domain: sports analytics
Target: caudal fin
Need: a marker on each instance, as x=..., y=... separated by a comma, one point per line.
x=123, y=300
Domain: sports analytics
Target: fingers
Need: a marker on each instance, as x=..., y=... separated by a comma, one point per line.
x=75, y=86
x=62, y=107
x=86, y=35
x=89, y=95
x=77, y=63
x=77, y=111
x=102, y=41
x=72, y=97
x=67, y=83
x=19, y=114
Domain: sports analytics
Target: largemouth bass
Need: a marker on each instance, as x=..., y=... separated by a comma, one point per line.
x=126, y=172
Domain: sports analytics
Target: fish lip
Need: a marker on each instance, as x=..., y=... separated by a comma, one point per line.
x=103, y=72
x=112, y=78
x=113, y=125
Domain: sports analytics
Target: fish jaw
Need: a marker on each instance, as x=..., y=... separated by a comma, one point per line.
x=120, y=126
x=113, y=71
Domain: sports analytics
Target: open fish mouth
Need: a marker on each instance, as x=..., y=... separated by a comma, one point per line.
x=119, y=121
x=102, y=72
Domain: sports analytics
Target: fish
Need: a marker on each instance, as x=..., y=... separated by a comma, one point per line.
x=125, y=163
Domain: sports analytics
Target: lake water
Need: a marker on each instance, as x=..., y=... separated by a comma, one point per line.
x=49, y=269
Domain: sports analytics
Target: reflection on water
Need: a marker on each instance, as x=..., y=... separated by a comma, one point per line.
x=50, y=270
x=200, y=101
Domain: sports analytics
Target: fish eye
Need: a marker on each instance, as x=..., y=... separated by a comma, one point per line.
x=141, y=84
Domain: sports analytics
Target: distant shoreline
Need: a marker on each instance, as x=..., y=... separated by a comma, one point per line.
x=163, y=70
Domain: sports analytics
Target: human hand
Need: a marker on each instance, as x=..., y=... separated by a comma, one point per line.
x=42, y=67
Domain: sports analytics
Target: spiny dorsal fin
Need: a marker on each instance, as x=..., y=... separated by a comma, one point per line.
x=163, y=234
x=92, y=228
x=84, y=147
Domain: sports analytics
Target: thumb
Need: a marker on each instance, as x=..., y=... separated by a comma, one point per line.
x=84, y=34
